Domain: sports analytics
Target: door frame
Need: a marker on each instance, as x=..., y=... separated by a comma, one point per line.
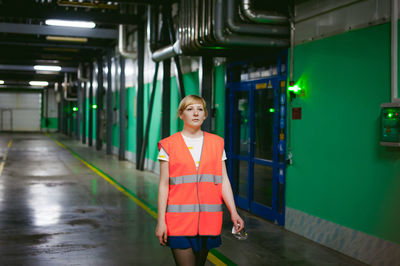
x=275, y=213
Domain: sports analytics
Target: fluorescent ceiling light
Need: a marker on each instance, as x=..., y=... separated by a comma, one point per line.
x=41, y=72
x=47, y=68
x=66, y=39
x=1, y=82
x=71, y=23
x=38, y=83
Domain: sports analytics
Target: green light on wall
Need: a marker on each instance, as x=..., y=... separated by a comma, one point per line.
x=390, y=115
x=295, y=89
x=94, y=106
x=271, y=110
x=75, y=109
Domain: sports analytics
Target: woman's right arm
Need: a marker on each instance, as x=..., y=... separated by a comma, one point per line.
x=163, y=188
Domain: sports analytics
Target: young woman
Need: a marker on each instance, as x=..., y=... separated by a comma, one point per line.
x=193, y=185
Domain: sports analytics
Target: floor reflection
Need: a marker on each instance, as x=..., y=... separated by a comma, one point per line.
x=44, y=203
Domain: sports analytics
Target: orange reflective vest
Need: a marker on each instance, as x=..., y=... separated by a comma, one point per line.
x=194, y=204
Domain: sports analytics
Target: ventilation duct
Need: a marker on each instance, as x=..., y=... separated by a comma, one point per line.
x=218, y=25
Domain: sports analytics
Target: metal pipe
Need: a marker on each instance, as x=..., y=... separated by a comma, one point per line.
x=121, y=44
x=65, y=89
x=149, y=113
x=266, y=17
x=237, y=40
x=243, y=28
x=167, y=52
x=394, y=52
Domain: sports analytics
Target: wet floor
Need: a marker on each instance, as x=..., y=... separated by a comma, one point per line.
x=55, y=210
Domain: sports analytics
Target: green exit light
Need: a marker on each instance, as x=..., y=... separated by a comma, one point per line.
x=295, y=88
x=94, y=106
x=75, y=109
x=271, y=110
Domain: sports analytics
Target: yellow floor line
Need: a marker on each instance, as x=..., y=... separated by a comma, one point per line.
x=3, y=162
x=213, y=259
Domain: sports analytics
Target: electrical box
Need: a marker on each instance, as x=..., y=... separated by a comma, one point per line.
x=390, y=124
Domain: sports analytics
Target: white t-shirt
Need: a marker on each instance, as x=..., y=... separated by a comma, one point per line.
x=194, y=145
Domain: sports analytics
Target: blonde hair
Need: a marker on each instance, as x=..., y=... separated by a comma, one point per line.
x=192, y=99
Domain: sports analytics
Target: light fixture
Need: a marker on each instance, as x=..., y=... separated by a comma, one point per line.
x=47, y=68
x=66, y=39
x=1, y=82
x=40, y=72
x=71, y=23
x=38, y=83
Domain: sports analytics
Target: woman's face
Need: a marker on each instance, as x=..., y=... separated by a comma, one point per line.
x=194, y=115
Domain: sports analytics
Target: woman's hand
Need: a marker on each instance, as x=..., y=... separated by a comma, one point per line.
x=161, y=233
x=238, y=222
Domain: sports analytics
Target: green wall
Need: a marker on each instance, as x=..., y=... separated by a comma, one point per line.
x=340, y=172
x=53, y=123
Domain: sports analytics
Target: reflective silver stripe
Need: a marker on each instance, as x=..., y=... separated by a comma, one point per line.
x=217, y=179
x=195, y=208
x=182, y=179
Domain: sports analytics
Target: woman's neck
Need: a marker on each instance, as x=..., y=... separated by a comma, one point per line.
x=192, y=132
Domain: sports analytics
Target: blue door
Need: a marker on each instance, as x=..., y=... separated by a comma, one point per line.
x=256, y=140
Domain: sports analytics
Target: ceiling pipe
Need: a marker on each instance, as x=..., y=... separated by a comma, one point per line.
x=394, y=52
x=65, y=90
x=243, y=28
x=121, y=44
x=259, y=17
x=238, y=40
x=167, y=52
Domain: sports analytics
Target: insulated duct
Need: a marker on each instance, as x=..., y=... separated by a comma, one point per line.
x=261, y=17
x=216, y=25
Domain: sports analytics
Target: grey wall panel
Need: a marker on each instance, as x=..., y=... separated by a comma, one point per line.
x=316, y=19
x=26, y=111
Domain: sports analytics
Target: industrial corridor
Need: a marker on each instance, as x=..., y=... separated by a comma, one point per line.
x=129, y=124
x=62, y=203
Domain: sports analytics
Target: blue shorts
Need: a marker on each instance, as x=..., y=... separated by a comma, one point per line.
x=197, y=243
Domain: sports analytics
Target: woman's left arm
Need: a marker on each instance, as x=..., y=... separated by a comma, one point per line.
x=227, y=195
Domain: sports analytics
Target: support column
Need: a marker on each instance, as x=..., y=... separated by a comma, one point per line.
x=109, y=107
x=166, y=99
x=90, y=132
x=99, y=103
x=140, y=92
x=84, y=107
x=122, y=115
x=78, y=113
x=207, y=90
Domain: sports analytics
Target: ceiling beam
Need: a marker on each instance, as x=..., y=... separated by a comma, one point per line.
x=58, y=31
x=30, y=68
x=54, y=45
x=30, y=10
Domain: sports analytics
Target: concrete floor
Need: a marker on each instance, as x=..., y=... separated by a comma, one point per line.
x=54, y=210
